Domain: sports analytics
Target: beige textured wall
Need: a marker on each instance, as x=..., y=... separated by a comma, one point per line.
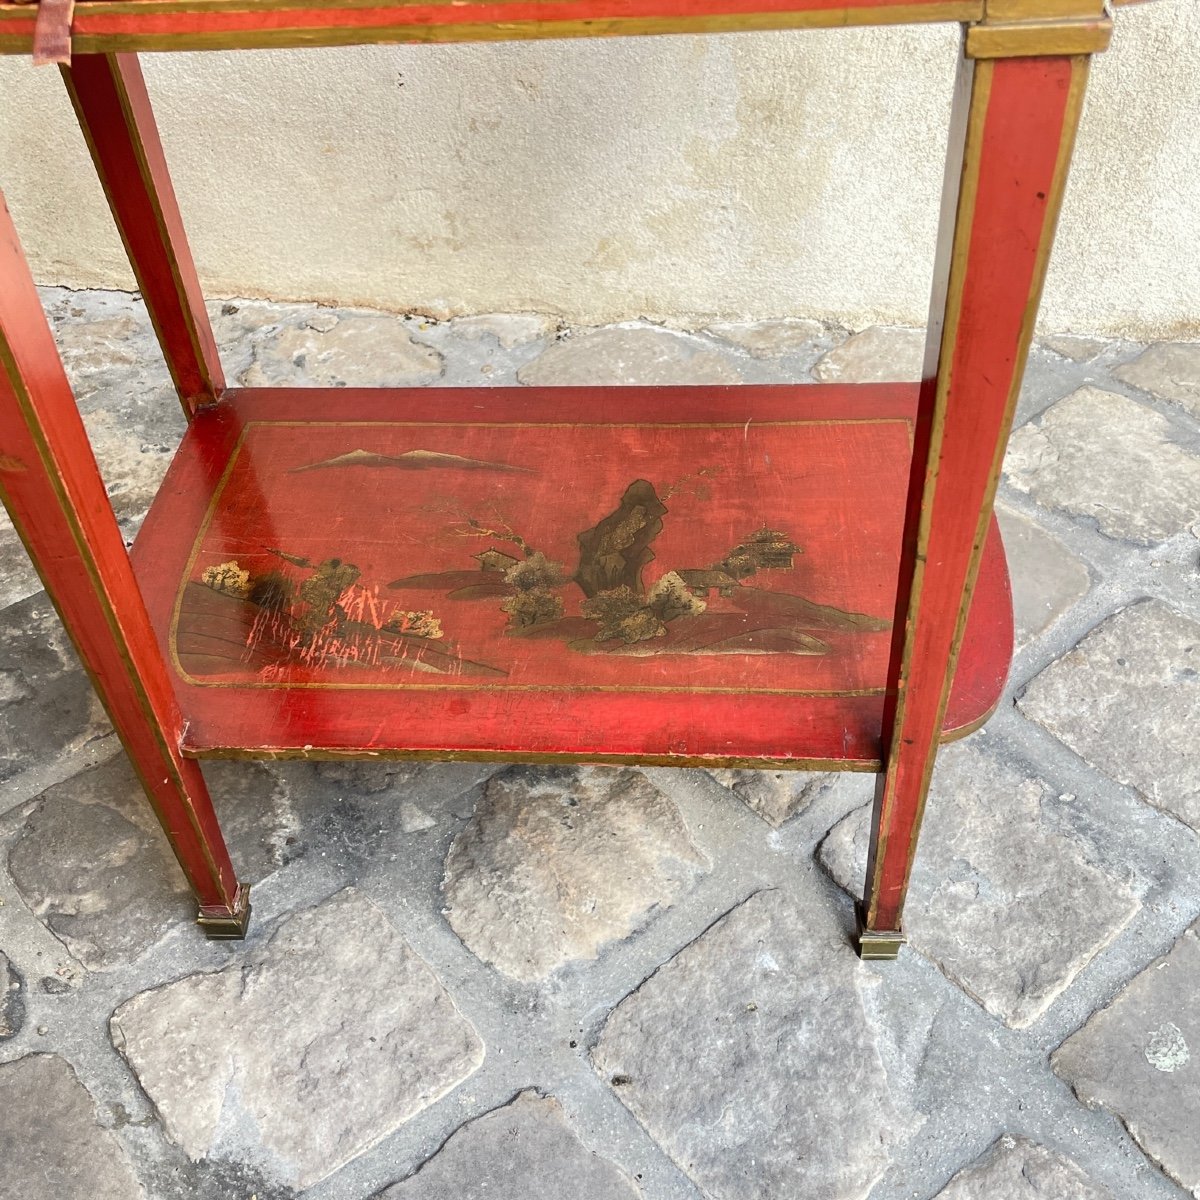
x=742, y=176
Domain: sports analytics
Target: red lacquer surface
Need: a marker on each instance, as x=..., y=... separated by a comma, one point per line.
x=1017, y=146
x=787, y=662
x=52, y=489
x=99, y=26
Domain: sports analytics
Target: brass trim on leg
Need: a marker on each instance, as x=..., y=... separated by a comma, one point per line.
x=998, y=11
x=219, y=925
x=878, y=944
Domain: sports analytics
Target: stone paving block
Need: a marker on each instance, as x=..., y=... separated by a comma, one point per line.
x=89, y=344
x=1047, y=579
x=776, y=796
x=132, y=466
x=556, y=862
x=47, y=705
x=523, y=1151
x=236, y=321
x=359, y=350
x=1126, y=699
x=1007, y=906
x=115, y=367
x=1170, y=370
x=770, y=339
x=1074, y=347
x=51, y=1147
x=1140, y=1058
x=12, y=1001
x=880, y=354
x=428, y=782
x=1097, y=454
x=620, y=354
x=509, y=329
x=352, y=810
x=305, y=1052
x=92, y=863
x=1014, y=1169
x=107, y=344
x=267, y=817
x=171, y=1175
x=749, y=1059
x=240, y=325
x=1048, y=378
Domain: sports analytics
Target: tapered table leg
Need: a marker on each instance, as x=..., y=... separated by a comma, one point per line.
x=54, y=493
x=114, y=112
x=1014, y=131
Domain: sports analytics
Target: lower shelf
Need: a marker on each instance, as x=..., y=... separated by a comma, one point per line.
x=693, y=576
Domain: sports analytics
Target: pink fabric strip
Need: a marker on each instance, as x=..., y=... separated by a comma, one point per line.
x=52, y=33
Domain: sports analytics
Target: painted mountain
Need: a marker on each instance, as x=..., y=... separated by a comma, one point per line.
x=696, y=609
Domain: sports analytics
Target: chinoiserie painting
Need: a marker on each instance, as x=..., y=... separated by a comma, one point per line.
x=575, y=555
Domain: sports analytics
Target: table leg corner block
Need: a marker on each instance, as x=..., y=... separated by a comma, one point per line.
x=221, y=923
x=875, y=944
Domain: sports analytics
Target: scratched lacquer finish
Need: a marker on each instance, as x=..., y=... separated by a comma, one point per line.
x=707, y=572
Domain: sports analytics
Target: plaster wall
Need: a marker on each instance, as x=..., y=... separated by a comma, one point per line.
x=680, y=179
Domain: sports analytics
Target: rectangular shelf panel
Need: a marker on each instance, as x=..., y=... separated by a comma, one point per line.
x=701, y=576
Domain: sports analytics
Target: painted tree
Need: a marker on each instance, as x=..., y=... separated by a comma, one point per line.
x=321, y=591
x=534, y=600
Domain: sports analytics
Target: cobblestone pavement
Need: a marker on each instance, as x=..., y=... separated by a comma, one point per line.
x=451, y=989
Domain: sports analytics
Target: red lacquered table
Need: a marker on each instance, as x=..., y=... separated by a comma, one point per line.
x=801, y=576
